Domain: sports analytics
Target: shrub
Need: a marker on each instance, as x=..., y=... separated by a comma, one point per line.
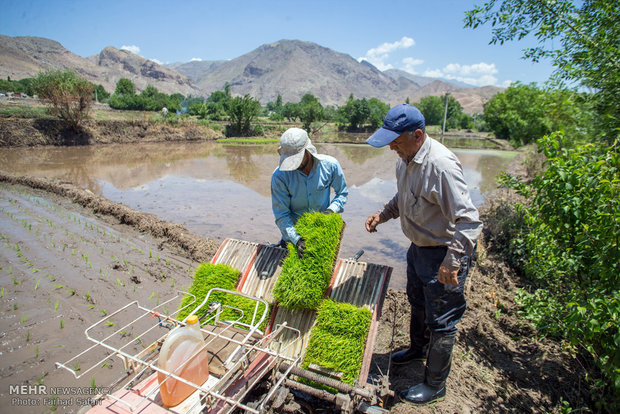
x=69, y=94
x=303, y=282
x=504, y=227
x=338, y=339
x=573, y=259
x=209, y=276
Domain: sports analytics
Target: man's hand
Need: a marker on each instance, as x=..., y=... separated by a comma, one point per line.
x=372, y=222
x=448, y=275
x=301, y=248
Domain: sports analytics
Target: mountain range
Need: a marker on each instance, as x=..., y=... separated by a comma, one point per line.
x=290, y=68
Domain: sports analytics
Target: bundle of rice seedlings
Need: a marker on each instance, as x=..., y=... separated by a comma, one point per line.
x=337, y=340
x=209, y=276
x=303, y=282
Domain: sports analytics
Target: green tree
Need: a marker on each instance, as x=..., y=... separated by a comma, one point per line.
x=124, y=96
x=216, y=105
x=517, y=114
x=525, y=113
x=466, y=121
x=572, y=211
x=355, y=113
x=242, y=111
x=580, y=38
x=218, y=97
x=310, y=110
x=174, y=102
x=274, y=106
x=69, y=95
x=125, y=86
x=152, y=100
x=572, y=254
x=454, y=113
x=101, y=94
x=290, y=111
x=278, y=105
x=378, y=110
x=25, y=85
x=432, y=107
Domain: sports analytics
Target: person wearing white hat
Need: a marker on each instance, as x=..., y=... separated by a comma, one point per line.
x=302, y=183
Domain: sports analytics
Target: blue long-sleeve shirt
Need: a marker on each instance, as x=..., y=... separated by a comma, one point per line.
x=294, y=193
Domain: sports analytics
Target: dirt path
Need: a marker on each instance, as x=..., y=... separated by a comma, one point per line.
x=67, y=257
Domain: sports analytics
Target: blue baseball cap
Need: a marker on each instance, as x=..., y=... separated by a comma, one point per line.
x=399, y=119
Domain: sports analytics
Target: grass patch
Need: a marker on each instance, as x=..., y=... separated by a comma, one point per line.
x=248, y=140
x=303, y=282
x=209, y=276
x=24, y=111
x=337, y=340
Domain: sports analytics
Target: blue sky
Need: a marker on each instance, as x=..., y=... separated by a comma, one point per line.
x=420, y=36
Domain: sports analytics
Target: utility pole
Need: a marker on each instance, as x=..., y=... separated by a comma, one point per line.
x=445, y=114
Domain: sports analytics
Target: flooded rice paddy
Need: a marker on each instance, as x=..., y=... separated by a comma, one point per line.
x=223, y=190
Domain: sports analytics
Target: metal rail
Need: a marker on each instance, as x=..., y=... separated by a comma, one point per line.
x=254, y=349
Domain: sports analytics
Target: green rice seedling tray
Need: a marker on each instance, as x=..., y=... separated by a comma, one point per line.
x=354, y=282
x=303, y=282
x=209, y=276
x=338, y=339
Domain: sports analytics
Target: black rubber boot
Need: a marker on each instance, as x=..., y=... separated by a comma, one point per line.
x=439, y=360
x=422, y=394
x=408, y=355
x=419, y=336
x=438, y=363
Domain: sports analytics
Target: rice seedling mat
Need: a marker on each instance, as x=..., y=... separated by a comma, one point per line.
x=355, y=282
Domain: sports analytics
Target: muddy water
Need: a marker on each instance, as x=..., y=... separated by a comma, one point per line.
x=222, y=191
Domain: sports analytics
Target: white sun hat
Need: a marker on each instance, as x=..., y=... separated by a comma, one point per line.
x=292, y=145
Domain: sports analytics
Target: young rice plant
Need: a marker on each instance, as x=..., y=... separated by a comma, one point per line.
x=337, y=340
x=209, y=276
x=303, y=282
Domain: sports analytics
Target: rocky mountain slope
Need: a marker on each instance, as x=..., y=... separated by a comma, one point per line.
x=290, y=68
x=23, y=57
x=293, y=68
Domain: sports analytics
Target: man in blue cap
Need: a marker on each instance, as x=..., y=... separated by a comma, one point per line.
x=438, y=217
x=302, y=183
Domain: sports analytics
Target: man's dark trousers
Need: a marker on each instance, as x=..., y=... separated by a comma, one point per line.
x=435, y=308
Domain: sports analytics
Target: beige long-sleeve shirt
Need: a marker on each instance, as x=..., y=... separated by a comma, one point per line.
x=433, y=202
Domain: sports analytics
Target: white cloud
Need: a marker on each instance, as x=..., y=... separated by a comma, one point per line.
x=132, y=49
x=479, y=74
x=159, y=62
x=195, y=60
x=434, y=73
x=479, y=69
x=410, y=64
x=378, y=55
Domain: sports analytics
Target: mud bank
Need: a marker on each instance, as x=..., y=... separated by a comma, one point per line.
x=176, y=236
x=15, y=132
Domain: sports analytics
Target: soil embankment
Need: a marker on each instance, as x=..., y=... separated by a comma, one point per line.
x=28, y=132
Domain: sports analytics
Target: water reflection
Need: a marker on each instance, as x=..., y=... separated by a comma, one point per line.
x=223, y=191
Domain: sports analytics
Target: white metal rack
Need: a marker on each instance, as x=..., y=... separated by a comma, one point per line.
x=241, y=354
